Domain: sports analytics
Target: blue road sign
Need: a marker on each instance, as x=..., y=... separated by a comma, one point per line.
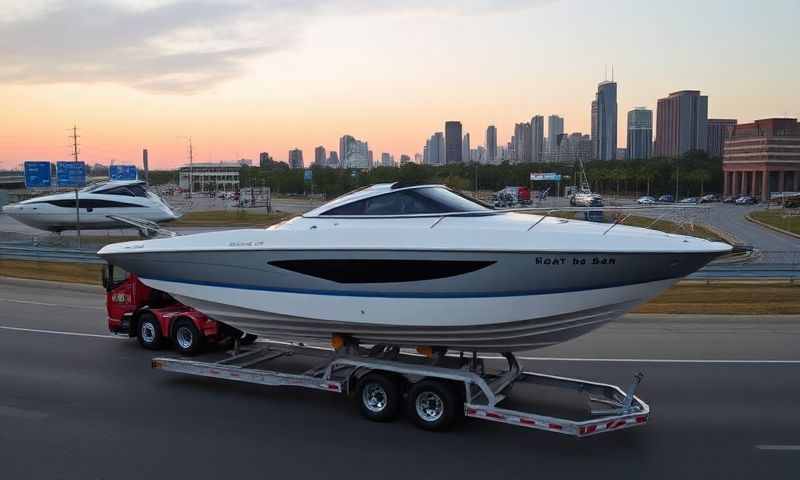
x=545, y=177
x=37, y=175
x=123, y=172
x=307, y=175
x=71, y=174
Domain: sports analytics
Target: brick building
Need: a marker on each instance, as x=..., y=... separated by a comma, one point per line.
x=762, y=157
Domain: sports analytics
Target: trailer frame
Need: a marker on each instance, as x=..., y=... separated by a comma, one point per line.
x=610, y=408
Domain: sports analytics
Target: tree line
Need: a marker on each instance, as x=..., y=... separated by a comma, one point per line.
x=693, y=174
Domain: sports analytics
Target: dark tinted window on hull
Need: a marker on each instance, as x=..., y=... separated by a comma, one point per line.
x=381, y=271
x=90, y=204
x=417, y=201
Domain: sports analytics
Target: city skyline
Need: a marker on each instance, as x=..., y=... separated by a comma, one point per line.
x=273, y=100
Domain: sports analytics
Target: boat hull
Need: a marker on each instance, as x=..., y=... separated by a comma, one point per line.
x=470, y=300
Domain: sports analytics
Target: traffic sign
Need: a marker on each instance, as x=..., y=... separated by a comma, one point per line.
x=37, y=175
x=123, y=172
x=71, y=174
x=545, y=177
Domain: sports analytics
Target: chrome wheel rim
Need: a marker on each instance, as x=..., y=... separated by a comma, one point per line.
x=185, y=337
x=148, y=332
x=374, y=397
x=430, y=406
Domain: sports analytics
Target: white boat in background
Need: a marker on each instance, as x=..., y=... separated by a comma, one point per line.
x=418, y=265
x=101, y=204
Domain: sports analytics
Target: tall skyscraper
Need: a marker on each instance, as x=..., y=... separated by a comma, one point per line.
x=353, y=153
x=465, y=148
x=719, y=130
x=319, y=156
x=537, y=138
x=296, y=158
x=555, y=127
x=370, y=159
x=681, y=123
x=640, y=134
x=387, y=160
x=604, y=121
x=434, y=153
x=404, y=159
x=491, y=144
x=452, y=139
x=522, y=142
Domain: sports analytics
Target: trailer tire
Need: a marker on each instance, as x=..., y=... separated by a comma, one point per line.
x=248, y=339
x=188, y=339
x=434, y=405
x=379, y=397
x=148, y=332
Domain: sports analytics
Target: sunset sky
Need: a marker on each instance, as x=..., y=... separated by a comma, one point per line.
x=245, y=77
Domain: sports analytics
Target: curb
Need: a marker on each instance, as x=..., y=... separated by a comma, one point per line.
x=771, y=227
x=727, y=236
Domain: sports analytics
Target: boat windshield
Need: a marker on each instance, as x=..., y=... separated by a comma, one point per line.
x=415, y=201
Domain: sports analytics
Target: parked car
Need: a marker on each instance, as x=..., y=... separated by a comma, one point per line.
x=729, y=200
x=646, y=200
x=586, y=199
x=666, y=198
x=792, y=202
x=745, y=200
x=711, y=197
x=690, y=200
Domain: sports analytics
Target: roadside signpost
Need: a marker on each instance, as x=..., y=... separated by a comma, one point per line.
x=37, y=175
x=548, y=177
x=123, y=172
x=72, y=175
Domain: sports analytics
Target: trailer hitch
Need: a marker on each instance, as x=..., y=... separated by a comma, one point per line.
x=629, y=394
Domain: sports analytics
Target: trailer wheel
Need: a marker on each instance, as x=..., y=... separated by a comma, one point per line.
x=379, y=397
x=248, y=339
x=434, y=405
x=188, y=339
x=149, y=332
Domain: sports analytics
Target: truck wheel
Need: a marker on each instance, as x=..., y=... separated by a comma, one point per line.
x=434, y=405
x=149, y=332
x=379, y=397
x=188, y=339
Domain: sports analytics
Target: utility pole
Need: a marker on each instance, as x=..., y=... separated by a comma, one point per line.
x=74, y=138
x=191, y=169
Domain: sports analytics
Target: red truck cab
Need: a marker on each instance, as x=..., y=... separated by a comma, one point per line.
x=155, y=318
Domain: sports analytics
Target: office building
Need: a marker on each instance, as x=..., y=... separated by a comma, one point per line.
x=491, y=144
x=537, y=138
x=264, y=160
x=604, y=121
x=640, y=134
x=434, y=153
x=319, y=156
x=555, y=127
x=452, y=139
x=762, y=157
x=418, y=158
x=681, y=123
x=522, y=143
x=333, y=159
x=354, y=153
x=296, y=158
x=404, y=159
x=210, y=177
x=719, y=130
x=465, y=148
x=387, y=160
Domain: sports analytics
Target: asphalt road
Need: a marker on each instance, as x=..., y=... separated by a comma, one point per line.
x=78, y=403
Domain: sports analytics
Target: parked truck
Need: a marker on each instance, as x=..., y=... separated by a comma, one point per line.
x=434, y=388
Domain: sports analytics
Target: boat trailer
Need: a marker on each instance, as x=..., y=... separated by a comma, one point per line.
x=508, y=395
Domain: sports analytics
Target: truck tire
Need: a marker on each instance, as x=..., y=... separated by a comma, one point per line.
x=434, y=405
x=149, y=332
x=379, y=397
x=188, y=339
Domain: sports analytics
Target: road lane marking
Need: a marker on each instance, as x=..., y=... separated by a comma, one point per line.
x=779, y=447
x=56, y=332
x=487, y=357
x=45, y=304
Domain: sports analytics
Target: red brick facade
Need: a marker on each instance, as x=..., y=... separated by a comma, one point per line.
x=762, y=157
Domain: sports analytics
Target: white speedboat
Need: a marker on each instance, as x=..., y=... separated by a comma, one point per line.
x=101, y=204
x=417, y=266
